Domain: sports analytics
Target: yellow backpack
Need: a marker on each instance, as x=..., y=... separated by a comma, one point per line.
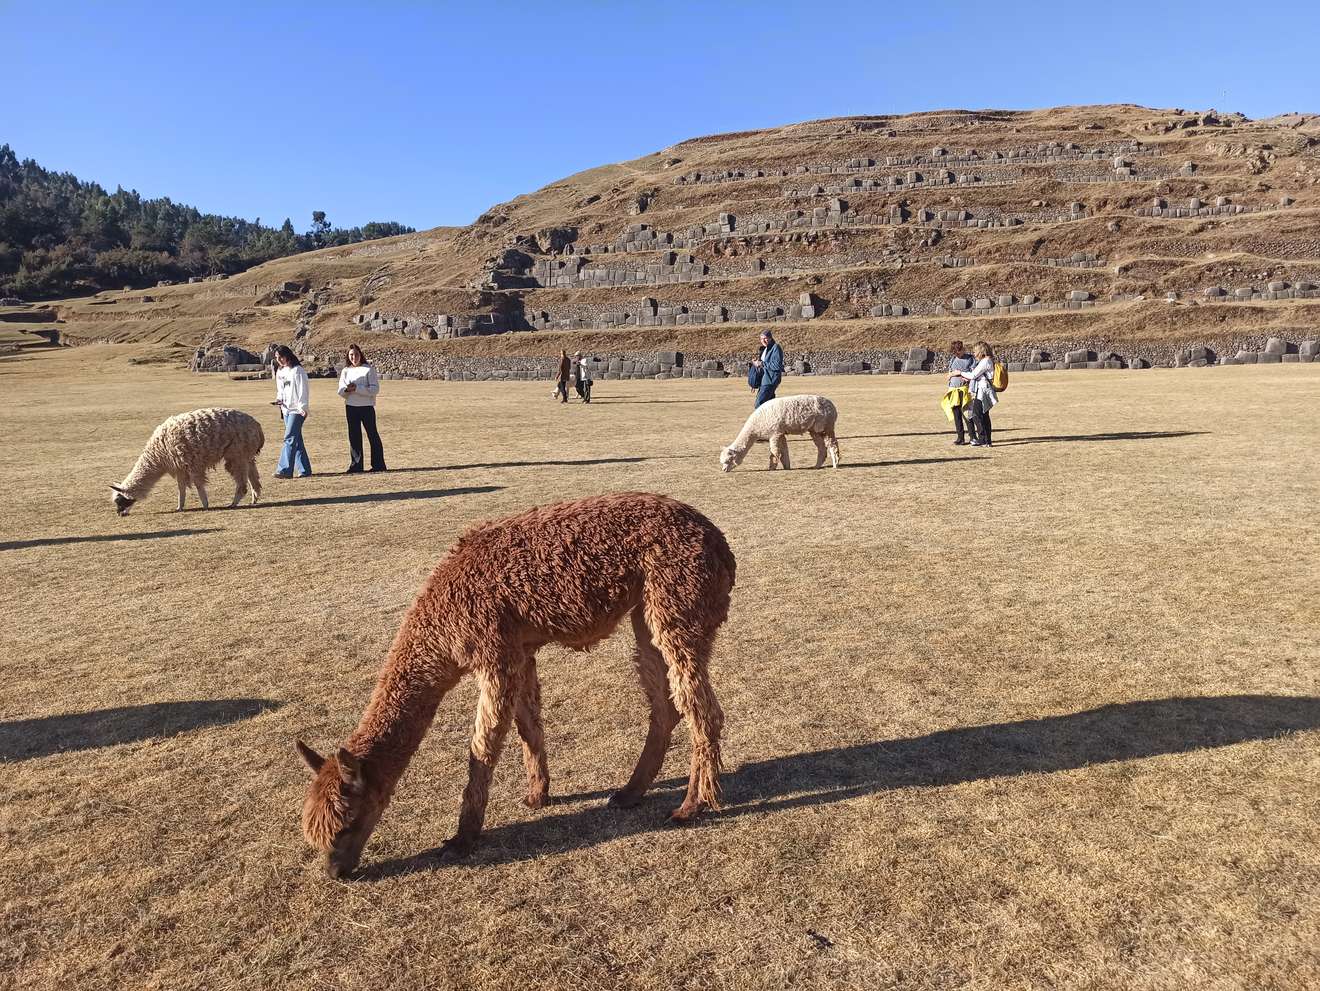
x=999, y=377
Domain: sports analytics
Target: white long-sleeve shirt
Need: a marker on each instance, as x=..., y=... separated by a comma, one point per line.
x=979, y=384
x=367, y=384
x=292, y=390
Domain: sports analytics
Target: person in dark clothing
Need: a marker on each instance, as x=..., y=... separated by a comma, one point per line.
x=770, y=365
x=957, y=398
x=575, y=369
x=565, y=369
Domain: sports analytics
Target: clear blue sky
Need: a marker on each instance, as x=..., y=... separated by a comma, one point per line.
x=429, y=113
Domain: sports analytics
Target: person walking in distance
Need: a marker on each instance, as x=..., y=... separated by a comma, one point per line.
x=957, y=396
x=770, y=365
x=358, y=385
x=581, y=377
x=575, y=368
x=292, y=396
x=565, y=370
x=981, y=387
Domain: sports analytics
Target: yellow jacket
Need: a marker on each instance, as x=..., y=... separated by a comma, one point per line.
x=955, y=398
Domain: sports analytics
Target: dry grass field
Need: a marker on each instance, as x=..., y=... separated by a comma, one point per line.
x=1042, y=717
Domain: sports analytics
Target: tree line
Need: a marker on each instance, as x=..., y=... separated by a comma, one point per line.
x=61, y=236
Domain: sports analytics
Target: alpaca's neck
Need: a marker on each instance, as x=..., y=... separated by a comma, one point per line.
x=745, y=439
x=145, y=474
x=411, y=685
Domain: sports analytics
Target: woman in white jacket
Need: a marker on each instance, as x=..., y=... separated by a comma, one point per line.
x=292, y=395
x=980, y=386
x=359, y=384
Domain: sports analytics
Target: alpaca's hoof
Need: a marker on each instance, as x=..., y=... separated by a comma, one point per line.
x=537, y=800
x=624, y=799
x=684, y=814
x=456, y=848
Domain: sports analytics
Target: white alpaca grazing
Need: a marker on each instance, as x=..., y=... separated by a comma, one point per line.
x=775, y=420
x=186, y=446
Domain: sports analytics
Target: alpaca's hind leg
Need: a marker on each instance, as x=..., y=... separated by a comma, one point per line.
x=527, y=717
x=819, y=440
x=650, y=665
x=686, y=652
x=833, y=445
x=254, y=480
x=238, y=472
x=494, y=713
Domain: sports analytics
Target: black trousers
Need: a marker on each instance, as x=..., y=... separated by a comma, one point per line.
x=978, y=422
x=359, y=417
x=562, y=390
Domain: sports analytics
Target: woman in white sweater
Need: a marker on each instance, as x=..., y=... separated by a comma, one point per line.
x=358, y=384
x=292, y=396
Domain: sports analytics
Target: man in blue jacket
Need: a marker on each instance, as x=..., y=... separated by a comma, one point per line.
x=771, y=367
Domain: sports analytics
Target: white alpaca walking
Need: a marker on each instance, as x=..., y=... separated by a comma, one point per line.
x=773, y=421
x=187, y=446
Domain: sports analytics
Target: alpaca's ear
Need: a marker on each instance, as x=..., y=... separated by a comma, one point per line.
x=350, y=768
x=313, y=759
x=117, y=488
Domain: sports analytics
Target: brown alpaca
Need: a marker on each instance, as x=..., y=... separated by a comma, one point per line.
x=566, y=574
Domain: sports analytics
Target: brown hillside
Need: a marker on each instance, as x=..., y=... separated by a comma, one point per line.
x=1090, y=224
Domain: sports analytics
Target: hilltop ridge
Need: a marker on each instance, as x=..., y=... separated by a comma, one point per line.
x=851, y=235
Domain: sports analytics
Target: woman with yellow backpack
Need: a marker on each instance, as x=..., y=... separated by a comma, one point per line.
x=984, y=383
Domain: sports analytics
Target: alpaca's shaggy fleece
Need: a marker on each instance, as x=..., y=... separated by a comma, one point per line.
x=186, y=446
x=773, y=421
x=566, y=574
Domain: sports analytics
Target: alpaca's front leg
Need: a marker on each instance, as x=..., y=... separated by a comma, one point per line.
x=494, y=713
x=199, y=483
x=527, y=717
x=779, y=451
x=183, y=493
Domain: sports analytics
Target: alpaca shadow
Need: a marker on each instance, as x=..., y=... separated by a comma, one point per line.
x=14, y=545
x=646, y=402
x=1111, y=733
x=1116, y=435
x=26, y=739
x=908, y=461
x=367, y=497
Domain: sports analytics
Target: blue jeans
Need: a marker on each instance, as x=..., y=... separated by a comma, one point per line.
x=294, y=450
x=766, y=392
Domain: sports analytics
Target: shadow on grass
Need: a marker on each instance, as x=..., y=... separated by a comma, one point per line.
x=584, y=463
x=1116, y=435
x=364, y=497
x=645, y=402
x=920, y=433
x=14, y=545
x=25, y=739
x=1127, y=731
x=898, y=464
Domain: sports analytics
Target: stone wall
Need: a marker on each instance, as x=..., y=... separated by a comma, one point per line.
x=897, y=184
x=576, y=273
x=1196, y=208
x=1043, y=152
x=1054, y=355
x=650, y=313
x=1006, y=304
x=1302, y=289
